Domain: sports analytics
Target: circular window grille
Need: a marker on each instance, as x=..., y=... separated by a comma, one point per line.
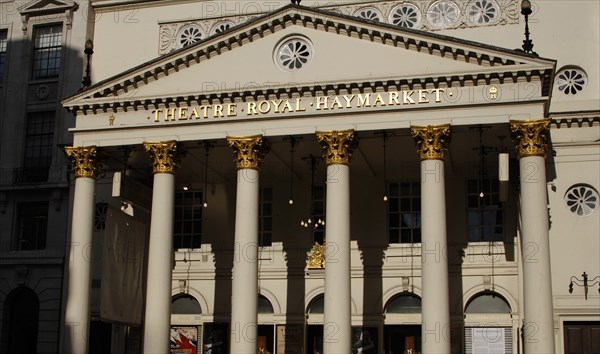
x=405, y=15
x=443, y=14
x=294, y=53
x=482, y=12
x=571, y=81
x=221, y=27
x=189, y=34
x=369, y=13
x=581, y=199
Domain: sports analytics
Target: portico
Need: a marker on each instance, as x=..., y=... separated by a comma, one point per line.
x=430, y=116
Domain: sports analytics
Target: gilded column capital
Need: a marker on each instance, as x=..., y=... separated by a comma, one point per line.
x=164, y=155
x=531, y=136
x=432, y=141
x=84, y=160
x=248, y=151
x=337, y=145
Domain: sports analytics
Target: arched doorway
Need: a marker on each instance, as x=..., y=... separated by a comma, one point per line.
x=186, y=329
x=402, y=331
x=314, y=328
x=266, y=326
x=488, y=324
x=21, y=314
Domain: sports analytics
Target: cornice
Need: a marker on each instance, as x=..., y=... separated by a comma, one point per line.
x=575, y=119
x=497, y=65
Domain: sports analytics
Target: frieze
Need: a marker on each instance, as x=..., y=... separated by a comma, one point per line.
x=507, y=12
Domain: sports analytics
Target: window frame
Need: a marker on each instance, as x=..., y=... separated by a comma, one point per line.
x=184, y=219
x=406, y=234
x=265, y=217
x=491, y=192
x=51, y=72
x=23, y=220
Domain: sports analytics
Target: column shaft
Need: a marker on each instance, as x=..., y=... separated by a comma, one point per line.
x=160, y=265
x=337, y=313
x=434, y=264
x=432, y=145
x=79, y=268
x=248, y=152
x=537, y=289
x=538, y=328
x=244, y=298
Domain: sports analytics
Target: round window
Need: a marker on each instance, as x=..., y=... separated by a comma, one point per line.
x=294, y=53
x=482, y=12
x=581, y=199
x=571, y=81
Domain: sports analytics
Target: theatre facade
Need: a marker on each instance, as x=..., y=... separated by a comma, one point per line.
x=311, y=182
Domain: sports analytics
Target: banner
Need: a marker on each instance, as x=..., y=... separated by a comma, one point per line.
x=184, y=339
x=123, y=256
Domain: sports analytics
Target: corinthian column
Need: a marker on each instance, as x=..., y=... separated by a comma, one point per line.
x=337, y=150
x=432, y=145
x=531, y=138
x=76, y=330
x=157, y=323
x=248, y=153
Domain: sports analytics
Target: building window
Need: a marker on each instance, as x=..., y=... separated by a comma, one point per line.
x=571, y=80
x=47, y=50
x=32, y=222
x=265, y=231
x=187, y=223
x=405, y=15
x=404, y=212
x=582, y=200
x=100, y=216
x=294, y=53
x=39, y=138
x=3, y=43
x=484, y=211
x=369, y=13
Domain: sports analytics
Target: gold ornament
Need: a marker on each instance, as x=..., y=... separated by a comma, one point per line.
x=84, y=160
x=248, y=151
x=432, y=141
x=164, y=155
x=337, y=145
x=531, y=136
x=316, y=257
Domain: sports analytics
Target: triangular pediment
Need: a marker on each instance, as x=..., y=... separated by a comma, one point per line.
x=348, y=53
x=46, y=6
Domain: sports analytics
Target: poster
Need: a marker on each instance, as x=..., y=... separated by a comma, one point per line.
x=290, y=339
x=184, y=340
x=364, y=340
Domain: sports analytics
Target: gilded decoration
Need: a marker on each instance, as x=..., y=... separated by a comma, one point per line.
x=531, y=136
x=248, y=151
x=337, y=145
x=84, y=160
x=316, y=257
x=164, y=155
x=432, y=141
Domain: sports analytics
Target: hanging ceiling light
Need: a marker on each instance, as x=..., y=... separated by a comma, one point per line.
x=313, y=160
x=293, y=142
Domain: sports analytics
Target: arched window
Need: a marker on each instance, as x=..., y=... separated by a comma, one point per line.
x=185, y=305
x=21, y=313
x=317, y=306
x=264, y=305
x=404, y=303
x=488, y=302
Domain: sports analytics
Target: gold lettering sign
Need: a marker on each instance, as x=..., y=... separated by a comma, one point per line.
x=296, y=105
